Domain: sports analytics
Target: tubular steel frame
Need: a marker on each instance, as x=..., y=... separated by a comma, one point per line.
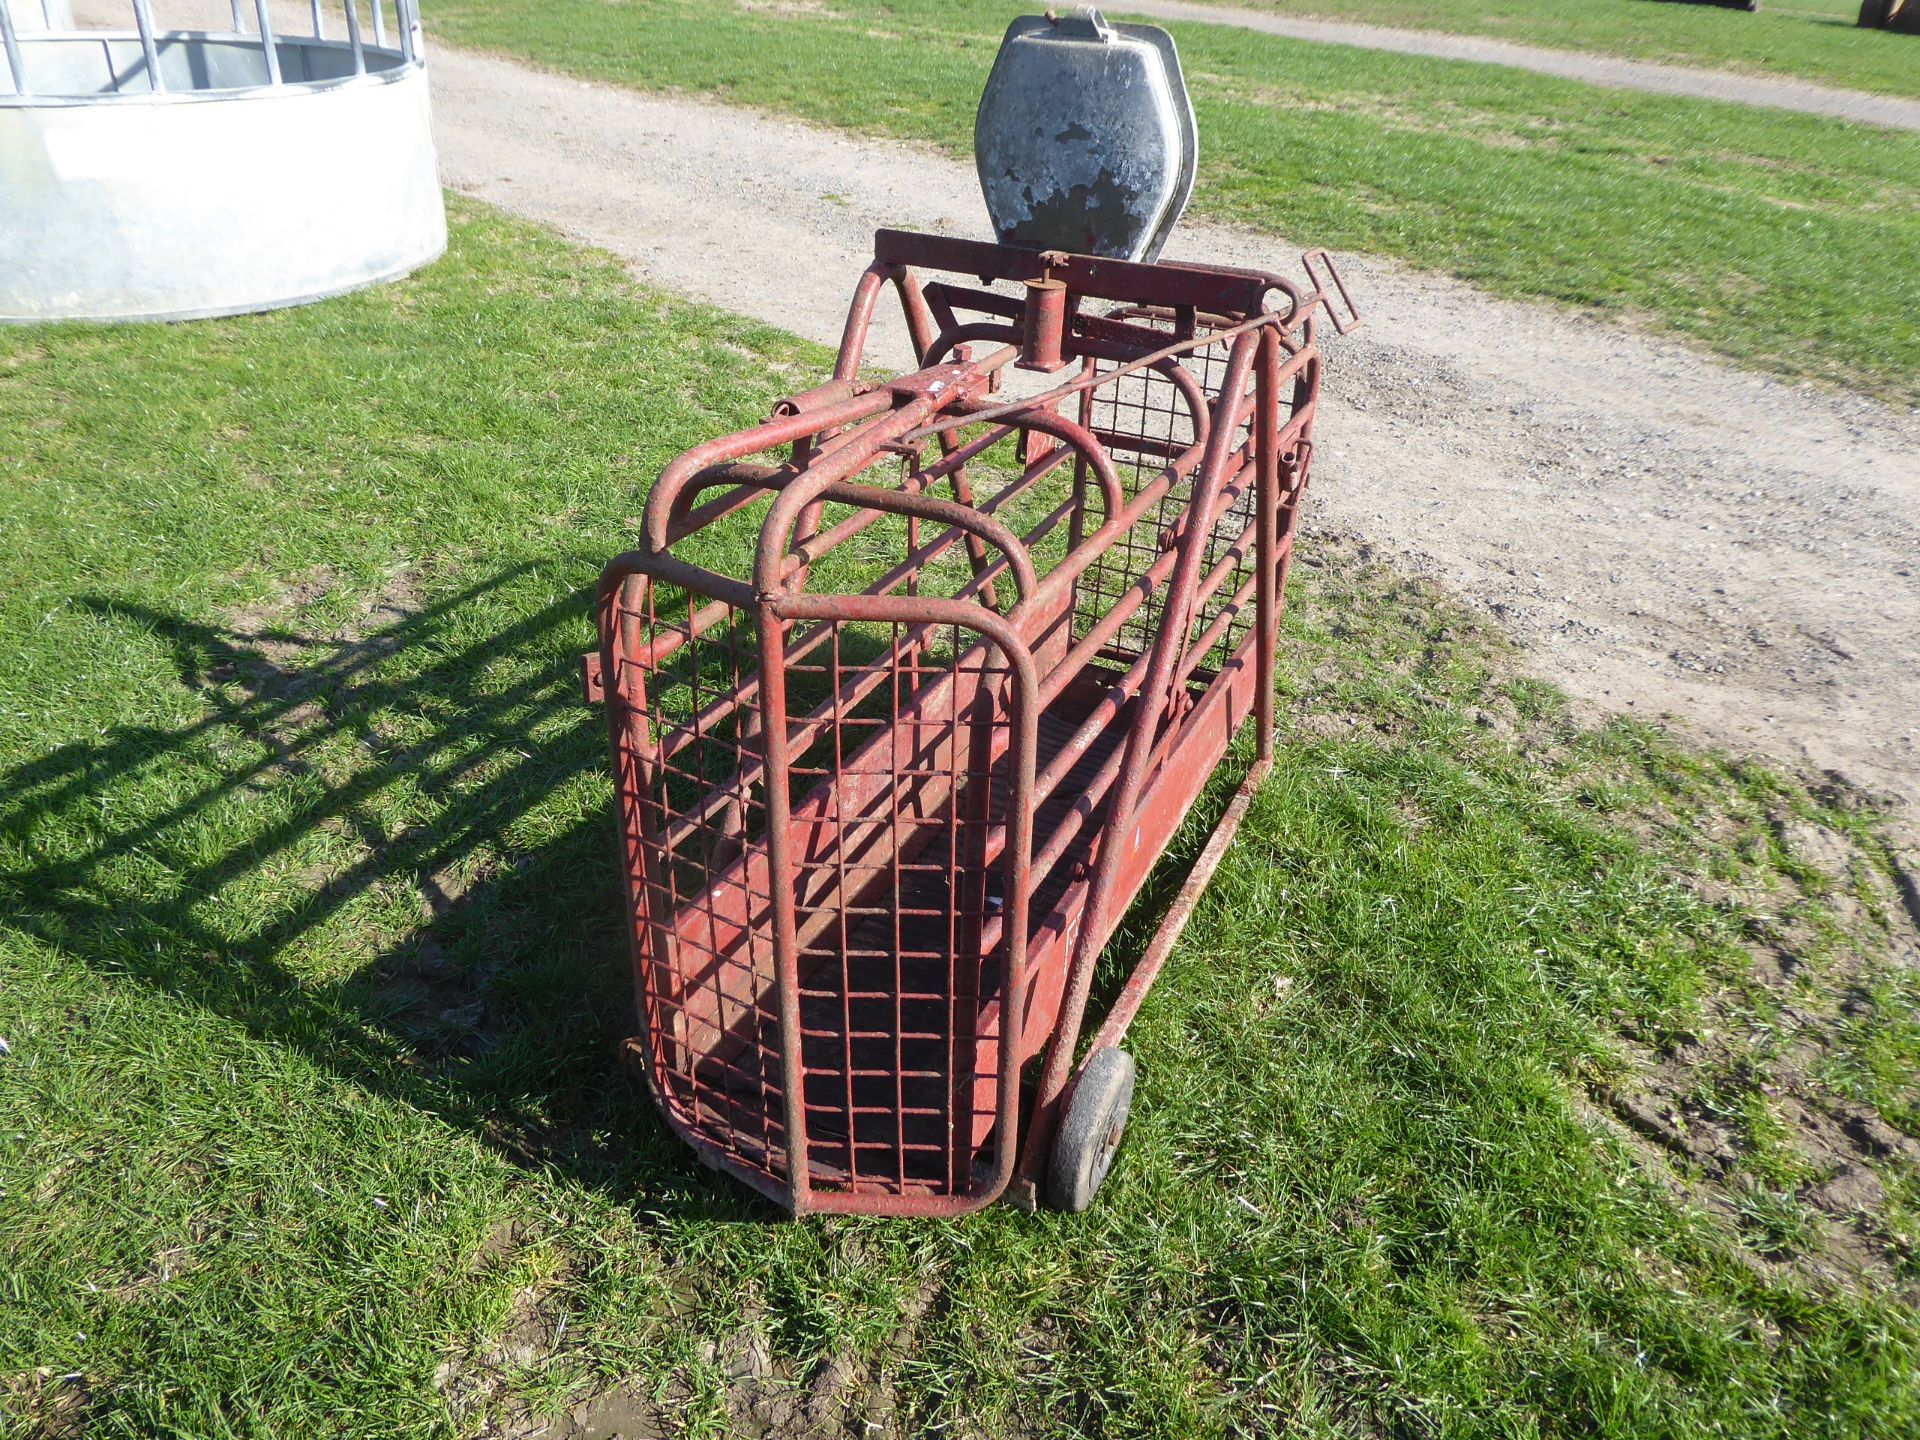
x=875, y=836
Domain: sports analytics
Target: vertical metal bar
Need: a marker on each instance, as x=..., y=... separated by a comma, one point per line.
x=772, y=629
x=842, y=903
x=1077, y=528
x=239, y=21
x=923, y=332
x=913, y=300
x=12, y=44
x=267, y=47
x=379, y=25
x=967, y=884
x=143, y=18
x=853, y=340
x=966, y=900
x=897, y=878
x=319, y=25
x=1043, y=326
x=46, y=13
x=353, y=38
x=1266, y=455
x=641, y=846
x=407, y=16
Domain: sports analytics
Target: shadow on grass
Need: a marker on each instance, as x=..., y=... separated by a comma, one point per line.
x=501, y=1008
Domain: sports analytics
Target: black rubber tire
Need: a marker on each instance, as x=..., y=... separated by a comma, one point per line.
x=1091, y=1130
x=1873, y=13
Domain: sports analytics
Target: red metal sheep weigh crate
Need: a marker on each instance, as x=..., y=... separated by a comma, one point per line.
x=886, y=789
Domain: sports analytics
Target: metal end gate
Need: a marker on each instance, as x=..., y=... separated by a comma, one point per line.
x=885, y=791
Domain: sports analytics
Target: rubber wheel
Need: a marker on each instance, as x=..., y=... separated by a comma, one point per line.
x=1873, y=13
x=1090, y=1132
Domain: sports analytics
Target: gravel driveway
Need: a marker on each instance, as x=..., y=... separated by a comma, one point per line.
x=1662, y=532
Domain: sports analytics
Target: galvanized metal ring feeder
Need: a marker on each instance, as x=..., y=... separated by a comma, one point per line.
x=169, y=174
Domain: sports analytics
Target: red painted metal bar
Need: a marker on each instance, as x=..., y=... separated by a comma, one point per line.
x=1133, y=994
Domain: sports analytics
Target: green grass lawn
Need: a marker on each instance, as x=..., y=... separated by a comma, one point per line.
x=1479, y=1099
x=1782, y=241
x=1807, y=39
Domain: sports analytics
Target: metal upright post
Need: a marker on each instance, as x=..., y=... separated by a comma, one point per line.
x=353, y=38
x=12, y=48
x=143, y=18
x=267, y=47
x=12, y=43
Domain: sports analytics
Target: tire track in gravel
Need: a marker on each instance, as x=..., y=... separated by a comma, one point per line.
x=1662, y=532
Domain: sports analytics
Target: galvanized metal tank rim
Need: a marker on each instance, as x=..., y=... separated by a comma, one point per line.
x=228, y=312
x=387, y=75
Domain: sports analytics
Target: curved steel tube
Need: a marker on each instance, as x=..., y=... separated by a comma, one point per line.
x=782, y=430
x=928, y=507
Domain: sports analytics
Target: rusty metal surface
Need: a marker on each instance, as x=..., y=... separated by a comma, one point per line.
x=885, y=793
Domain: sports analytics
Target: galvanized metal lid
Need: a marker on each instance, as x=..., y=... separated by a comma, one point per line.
x=1085, y=138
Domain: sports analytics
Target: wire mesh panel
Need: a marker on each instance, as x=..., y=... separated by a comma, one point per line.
x=691, y=791
x=1147, y=421
x=898, y=914
x=896, y=780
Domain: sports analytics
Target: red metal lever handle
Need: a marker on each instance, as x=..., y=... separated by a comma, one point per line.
x=1342, y=325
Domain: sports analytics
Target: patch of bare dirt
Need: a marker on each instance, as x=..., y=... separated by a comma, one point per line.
x=476, y=1382
x=296, y=678
x=840, y=1398
x=769, y=1397
x=273, y=630
x=46, y=1404
x=1689, y=1098
x=617, y=1415
x=299, y=680
x=167, y=1265
x=788, y=9
x=441, y=1008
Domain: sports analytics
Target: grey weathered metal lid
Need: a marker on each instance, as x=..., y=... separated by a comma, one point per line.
x=1085, y=138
